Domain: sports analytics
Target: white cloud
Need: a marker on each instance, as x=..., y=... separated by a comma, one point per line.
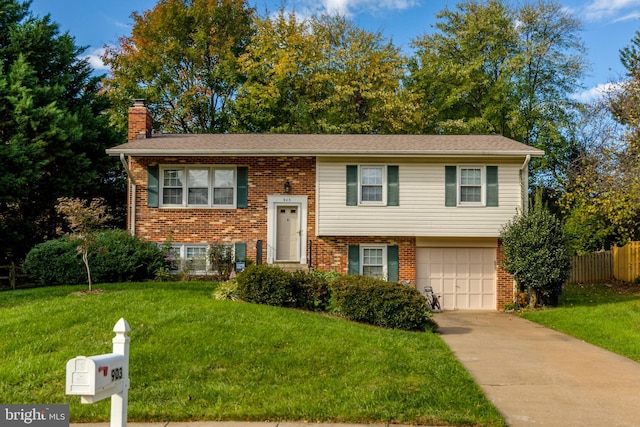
x=348, y=7
x=596, y=92
x=94, y=57
x=601, y=9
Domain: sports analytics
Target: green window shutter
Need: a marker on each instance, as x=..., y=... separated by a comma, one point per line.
x=352, y=185
x=451, y=186
x=393, y=264
x=242, y=187
x=153, y=186
x=492, y=186
x=354, y=259
x=393, y=186
x=240, y=251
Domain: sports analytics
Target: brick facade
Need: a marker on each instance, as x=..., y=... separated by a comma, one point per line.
x=331, y=253
x=207, y=225
x=504, y=281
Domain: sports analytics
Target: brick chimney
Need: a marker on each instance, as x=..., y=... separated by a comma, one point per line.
x=140, y=121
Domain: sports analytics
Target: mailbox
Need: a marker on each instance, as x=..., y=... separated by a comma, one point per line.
x=97, y=377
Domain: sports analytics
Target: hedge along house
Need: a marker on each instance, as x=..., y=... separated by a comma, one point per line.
x=420, y=209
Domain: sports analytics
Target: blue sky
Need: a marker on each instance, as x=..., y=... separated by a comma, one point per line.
x=609, y=25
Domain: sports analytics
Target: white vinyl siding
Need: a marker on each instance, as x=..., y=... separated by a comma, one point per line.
x=422, y=210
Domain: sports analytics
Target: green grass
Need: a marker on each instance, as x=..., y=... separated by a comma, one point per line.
x=604, y=315
x=195, y=358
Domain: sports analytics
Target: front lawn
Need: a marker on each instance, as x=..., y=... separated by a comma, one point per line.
x=604, y=315
x=194, y=358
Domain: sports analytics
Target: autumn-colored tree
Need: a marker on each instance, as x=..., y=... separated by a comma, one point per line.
x=321, y=74
x=84, y=221
x=182, y=57
x=602, y=193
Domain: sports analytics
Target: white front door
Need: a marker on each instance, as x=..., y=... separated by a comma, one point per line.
x=287, y=233
x=287, y=226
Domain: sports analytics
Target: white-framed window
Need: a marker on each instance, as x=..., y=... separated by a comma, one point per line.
x=373, y=261
x=372, y=185
x=471, y=185
x=189, y=256
x=194, y=257
x=198, y=186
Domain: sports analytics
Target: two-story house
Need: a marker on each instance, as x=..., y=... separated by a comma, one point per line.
x=426, y=210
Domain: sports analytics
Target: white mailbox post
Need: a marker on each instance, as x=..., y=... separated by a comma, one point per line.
x=98, y=377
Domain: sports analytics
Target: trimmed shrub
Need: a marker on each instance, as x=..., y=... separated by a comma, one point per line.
x=122, y=257
x=311, y=290
x=55, y=262
x=535, y=253
x=386, y=304
x=118, y=257
x=264, y=284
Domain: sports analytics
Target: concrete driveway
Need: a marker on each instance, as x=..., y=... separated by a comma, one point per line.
x=539, y=377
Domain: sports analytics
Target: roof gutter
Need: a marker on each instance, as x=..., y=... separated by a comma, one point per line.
x=170, y=152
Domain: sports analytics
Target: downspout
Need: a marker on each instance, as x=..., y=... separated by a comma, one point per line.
x=132, y=199
x=524, y=183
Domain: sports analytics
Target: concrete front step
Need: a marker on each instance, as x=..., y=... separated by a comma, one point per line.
x=291, y=266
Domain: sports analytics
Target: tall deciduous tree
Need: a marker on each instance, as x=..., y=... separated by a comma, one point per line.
x=182, y=57
x=321, y=74
x=464, y=70
x=490, y=68
x=53, y=132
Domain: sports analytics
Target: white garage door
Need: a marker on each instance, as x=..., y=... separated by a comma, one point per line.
x=463, y=278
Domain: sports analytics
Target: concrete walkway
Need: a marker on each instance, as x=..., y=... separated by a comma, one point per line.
x=538, y=377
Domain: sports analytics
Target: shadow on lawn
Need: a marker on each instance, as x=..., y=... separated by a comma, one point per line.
x=597, y=294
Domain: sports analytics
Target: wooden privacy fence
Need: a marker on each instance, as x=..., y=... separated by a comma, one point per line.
x=626, y=262
x=592, y=268
x=619, y=263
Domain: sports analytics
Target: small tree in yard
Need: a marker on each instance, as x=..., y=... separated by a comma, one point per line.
x=84, y=221
x=536, y=254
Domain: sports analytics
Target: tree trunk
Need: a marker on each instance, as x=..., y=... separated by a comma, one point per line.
x=85, y=258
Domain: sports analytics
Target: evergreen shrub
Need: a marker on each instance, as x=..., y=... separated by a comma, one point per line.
x=265, y=284
x=56, y=262
x=311, y=290
x=386, y=304
x=121, y=257
x=118, y=257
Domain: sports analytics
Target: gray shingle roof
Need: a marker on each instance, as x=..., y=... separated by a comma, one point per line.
x=323, y=145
